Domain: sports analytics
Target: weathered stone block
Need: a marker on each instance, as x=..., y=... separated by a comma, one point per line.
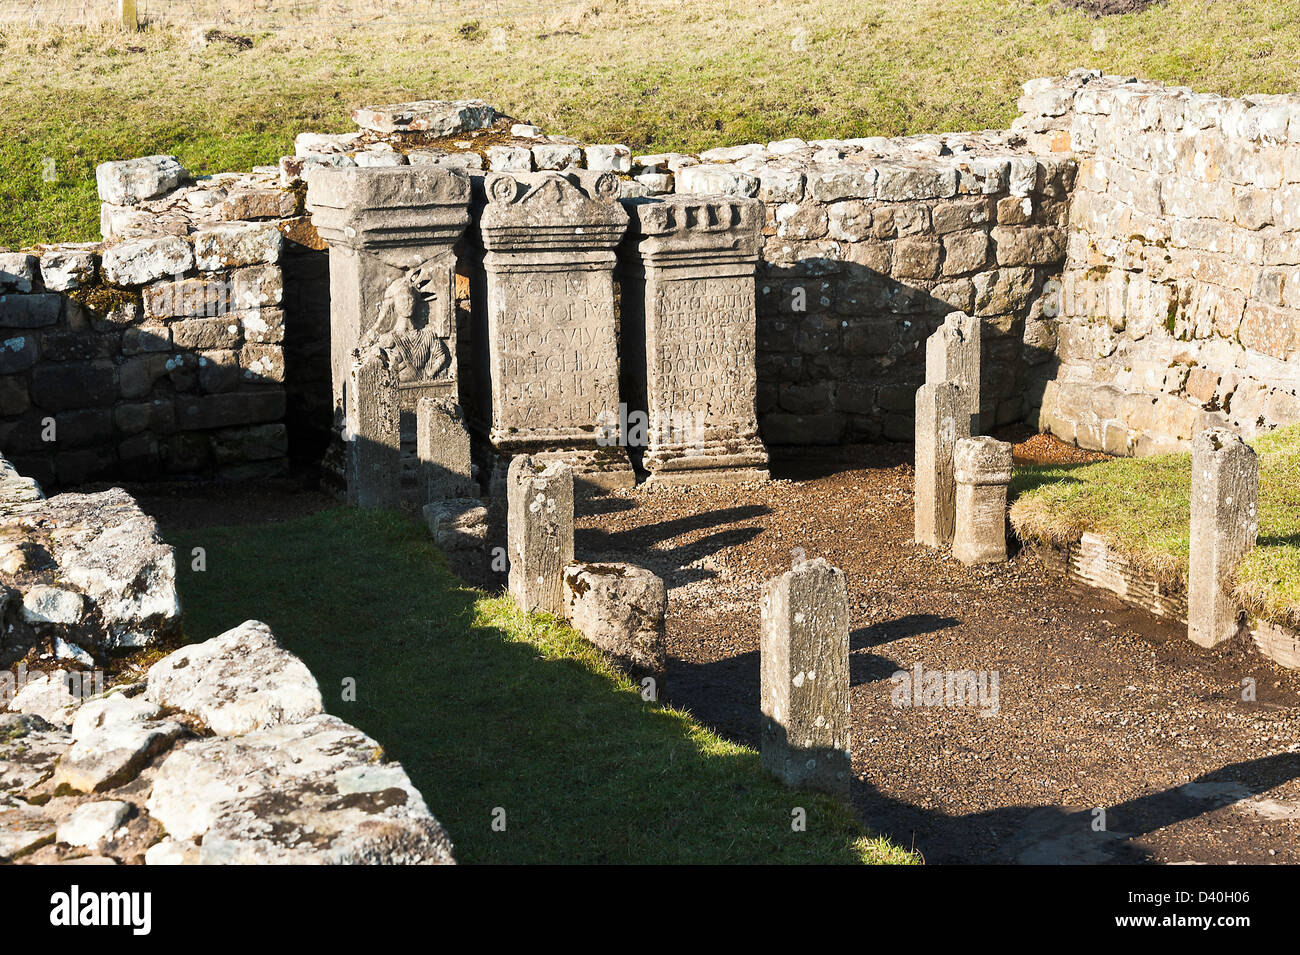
x=540, y=532
x=234, y=244
x=35, y=310
x=1225, y=523
x=135, y=180
x=18, y=271
x=457, y=524
x=548, y=156
x=953, y=353
x=372, y=436
x=443, y=448
x=620, y=608
x=435, y=117
x=613, y=157
x=917, y=257
x=982, y=467
x=804, y=654
x=942, y=419
x=65, y=269
x=206, y=334
x=141, y=261
x=74, y=384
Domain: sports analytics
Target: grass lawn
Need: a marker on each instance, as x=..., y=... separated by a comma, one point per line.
x=488, y=708
x=1141, y=506
x=655, y=74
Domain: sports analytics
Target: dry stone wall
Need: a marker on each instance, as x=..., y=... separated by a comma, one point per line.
x=1180, y=297
x=1130, y=251
x=161, y=349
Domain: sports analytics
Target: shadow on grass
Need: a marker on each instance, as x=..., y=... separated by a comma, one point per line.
x=491, y=710
x=1027, y=478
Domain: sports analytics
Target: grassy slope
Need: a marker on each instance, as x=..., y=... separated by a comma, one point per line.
x=1142, y=507
x=486, y=707
x=656, y=75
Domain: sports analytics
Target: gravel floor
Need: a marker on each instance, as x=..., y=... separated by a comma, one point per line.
x=1100, y=706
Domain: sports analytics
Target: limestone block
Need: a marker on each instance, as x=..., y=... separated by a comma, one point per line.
x=540, y=532
x=942, y=419
x=804, y=654
x=609, y=158
x=18, y=271
x=66, y=269
x=238, y=682
x=136, y=180
x=234, y=244
x=620, y=608
x=457, y=523
x=435, y=117
x=443, y=448
x=1224, y=527
x=953, y=353
x=141, y=261
x=982, y=468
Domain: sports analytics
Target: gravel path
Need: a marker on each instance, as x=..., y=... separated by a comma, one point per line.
x=1100, y=706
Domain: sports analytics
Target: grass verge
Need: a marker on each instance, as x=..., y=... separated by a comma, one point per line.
x=487, y=707
x=1141, y=507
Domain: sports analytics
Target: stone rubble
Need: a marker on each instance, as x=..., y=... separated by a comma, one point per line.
x=620, y=608
x=82, y=576
x=245, y=769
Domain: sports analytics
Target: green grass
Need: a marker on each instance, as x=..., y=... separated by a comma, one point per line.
x=685, y=75
x=486, y=707
x=1141, y=507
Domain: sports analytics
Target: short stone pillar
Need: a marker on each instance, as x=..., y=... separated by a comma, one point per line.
x=391, y=232
x=539, y=524
x=552, y=328
x=442, y=445
x=952, y=353
x=621, y=609
x=372, y=438
x=942, y=418
x=688, y=336
x=804, y=656
x=1225, y=525
x=982, y=468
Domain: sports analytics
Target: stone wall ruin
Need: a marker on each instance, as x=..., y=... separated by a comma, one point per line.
x=1128, y=250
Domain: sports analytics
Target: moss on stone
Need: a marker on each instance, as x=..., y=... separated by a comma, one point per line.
x=105, y=298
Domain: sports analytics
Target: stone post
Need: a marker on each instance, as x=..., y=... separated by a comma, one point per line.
x=942, y=418
x=689, y=336
x=1225, y=523
x=621, y=608
x=372, y=436
x=391, y=232
x=805, y=678
x=982, y=468
x=442, y=445
x=539, y=525
x=952, y=353
x=552, y=327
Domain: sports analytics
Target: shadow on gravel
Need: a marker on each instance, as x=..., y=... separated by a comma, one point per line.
x=912, y=625
x=1055, y=835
